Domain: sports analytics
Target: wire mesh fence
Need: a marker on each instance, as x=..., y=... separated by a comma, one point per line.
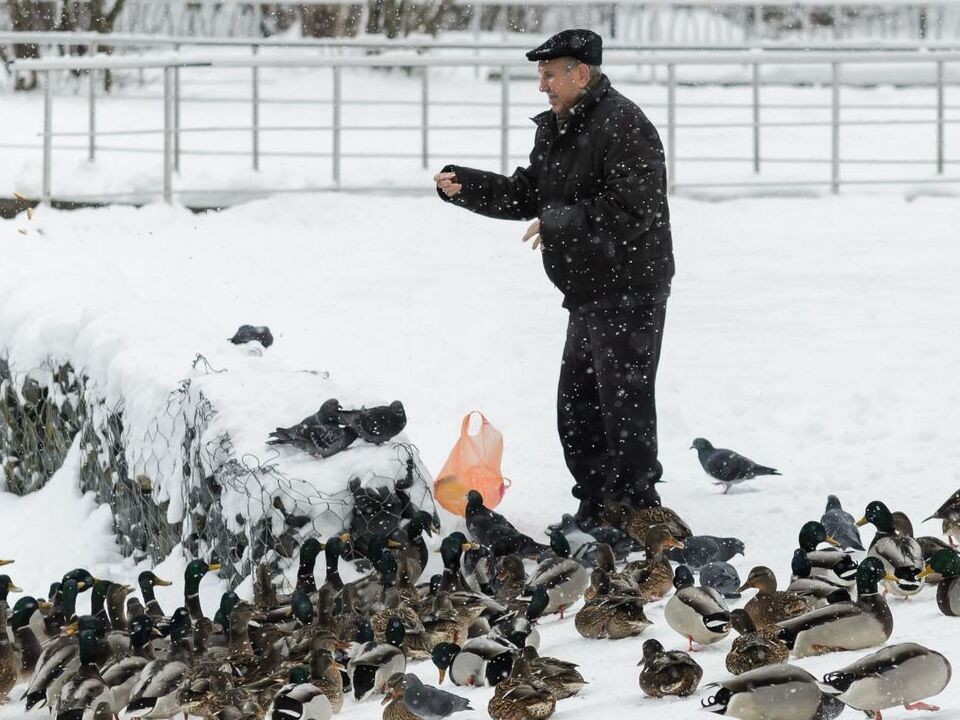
x=182, y=480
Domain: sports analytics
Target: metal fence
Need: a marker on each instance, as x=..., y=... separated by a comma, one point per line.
x=174, y=66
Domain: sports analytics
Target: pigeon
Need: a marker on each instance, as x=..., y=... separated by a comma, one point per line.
x=578, y=539
x=727, y=467
x=700, y=550
x=841, y=525
x=248, y=333
x=722, y=577
x=314, y=436
x=493, y=530
x=430, y=703
x=949, y=513
x=376, y=425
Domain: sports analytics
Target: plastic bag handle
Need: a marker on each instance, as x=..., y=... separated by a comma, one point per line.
x=465, y=426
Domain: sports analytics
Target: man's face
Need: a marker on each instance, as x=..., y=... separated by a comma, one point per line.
x=561, y=85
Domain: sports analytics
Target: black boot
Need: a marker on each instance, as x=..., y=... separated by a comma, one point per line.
x=588, y=514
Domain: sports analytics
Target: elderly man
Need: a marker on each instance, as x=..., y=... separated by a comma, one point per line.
x=596, y=184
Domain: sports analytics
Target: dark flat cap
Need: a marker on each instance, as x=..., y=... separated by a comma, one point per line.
x=584, y=45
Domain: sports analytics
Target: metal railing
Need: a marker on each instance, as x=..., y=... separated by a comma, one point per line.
x=172, y=65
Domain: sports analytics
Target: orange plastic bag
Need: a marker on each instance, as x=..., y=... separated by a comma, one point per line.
x=474, y=464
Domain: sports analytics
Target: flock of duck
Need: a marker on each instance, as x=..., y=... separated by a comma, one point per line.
x=301, y=656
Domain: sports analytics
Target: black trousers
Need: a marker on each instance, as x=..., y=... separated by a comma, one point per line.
x=606, y=407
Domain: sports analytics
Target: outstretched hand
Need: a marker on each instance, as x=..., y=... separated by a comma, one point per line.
x=533, y=232
x=447, y=182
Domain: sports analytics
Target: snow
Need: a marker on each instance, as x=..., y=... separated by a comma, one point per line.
x=815, y=335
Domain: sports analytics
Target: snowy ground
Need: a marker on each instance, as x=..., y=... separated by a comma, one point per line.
x=816, y=335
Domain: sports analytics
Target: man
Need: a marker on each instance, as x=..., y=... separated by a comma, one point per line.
x=597, y=185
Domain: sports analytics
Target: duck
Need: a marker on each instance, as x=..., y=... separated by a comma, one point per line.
x=511, y=580
x=495, y=532
x=653, y=577
x=155, y=693
x=613, y=614
x=865, y=623
x=396, y=708
x=564, y=579
x=27, y=623
x=327, y=674
x=817, y=589
x=638, y=522
x=524, y=623
x=832, y=564
x=521, y=696
x=770, y=605
x=605, y=560
x=467, y=665
x=561, y=677
x=60, y=657
x=949, y=513
x=755, y=647
x=698, y=614
x=701, y=550
x=147, y=581
x=903, y=674
x=192, y=576
x=300, y=699
x=375, y=662
x=668, y=672
x=902, y=555
x=784, y=692
x=122, y=674
x=452, y=548
x=9, y=662
x=85, y=696
x=947, y=564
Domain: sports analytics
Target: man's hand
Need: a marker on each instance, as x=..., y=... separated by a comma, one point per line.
x=533, y=232
x=447, y=182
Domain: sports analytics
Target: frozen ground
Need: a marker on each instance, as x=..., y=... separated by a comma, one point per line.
x=816, y=335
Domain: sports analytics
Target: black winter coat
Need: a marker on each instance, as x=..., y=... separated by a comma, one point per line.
x=599, y=187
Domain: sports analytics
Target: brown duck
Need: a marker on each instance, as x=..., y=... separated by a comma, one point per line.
x=637, y=523
x=754, y=648
x=611, y=613
x=654, y=576
x=521, y=696
x=771, y=605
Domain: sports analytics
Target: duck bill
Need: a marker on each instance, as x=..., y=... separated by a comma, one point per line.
x=6, y=562
x=927, y=570
x=470, y=546
x=71, y=629
x=891, y=578
x=394, y=544
x=164, y=583
x=832, y=541
x=344, y=536
x=213, y=567
x=745, y=586
x=443, y=674
x=44, y=605
x=673, y=542
x=862, y=521
x=13, y=588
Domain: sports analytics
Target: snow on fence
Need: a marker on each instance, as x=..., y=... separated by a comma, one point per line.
x=183, y=477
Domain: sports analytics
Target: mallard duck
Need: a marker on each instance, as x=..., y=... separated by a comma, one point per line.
x=613, y=614
x=930, y=547
x=147, y=581
x=414, y=638
x=784, y=692
x=9, y=662
x=452, y=548
x=831, y=565
x=901, y=555
x=300, y=699
x=523, y=623
x=495, y=532
x=817, y=589
x=155, y=693
x=327, y=674
x=60, y=657
x=605, y=560
x=123, y=673
x=698, y=614
x=754, y=648
x=563, y=578
x=414, y=552
x=653, y=576
x=467, y=665
x=396, y=708
x=85, y=696
x=375, y=662
x=947, y=564
x=561, y=677
x=637, y=523
x=771, y=605
x=843, y=625
x=521, y=696
x=949, y=513
x=903, y=674
x=27, y=622
x=665, y=672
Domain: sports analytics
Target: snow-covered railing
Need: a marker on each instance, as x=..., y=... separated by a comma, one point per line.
x=507, y=65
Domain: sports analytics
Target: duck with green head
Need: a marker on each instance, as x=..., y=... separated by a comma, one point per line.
x=27, y=623
x=375, y=662
x=123, y=673
x=155, y=694
x=865, y=623
x=300, y=699
x=60, y=656
x=192, y=576
x=85, y=696
x=829, y=564
x=947, y=564
x=901, y=555
x=147, y=581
